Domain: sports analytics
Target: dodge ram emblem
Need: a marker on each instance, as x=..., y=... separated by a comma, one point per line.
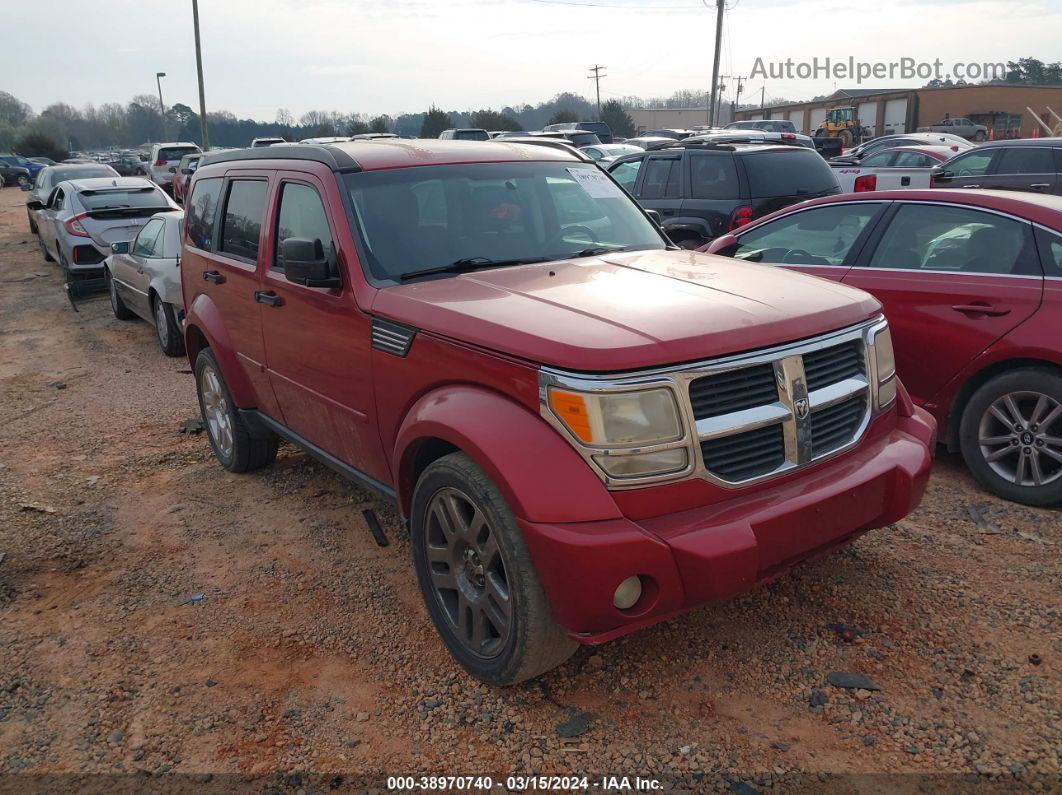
x=801, y=405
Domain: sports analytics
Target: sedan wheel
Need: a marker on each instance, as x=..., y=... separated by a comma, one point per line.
x=23, y=180
x=1011, y=436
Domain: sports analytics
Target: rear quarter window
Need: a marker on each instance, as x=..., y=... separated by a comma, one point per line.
x=202, y=213
x=788, y=172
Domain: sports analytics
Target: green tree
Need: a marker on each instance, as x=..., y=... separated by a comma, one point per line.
x=617, y=119
x=435, y=121
x=492, y=120
x=562, y=116
x=35, y=144
x=380, y=124
x=357, y=127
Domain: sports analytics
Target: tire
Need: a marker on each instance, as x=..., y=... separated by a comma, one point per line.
x=514, y=644
x=44, y=249
x=68, y=277
x=1010, y=435
x=32, y=225
x=235, y=447
x=23, y=180
x=979, y=136
x=846, y=138
x=167, y=329
x=121, y=311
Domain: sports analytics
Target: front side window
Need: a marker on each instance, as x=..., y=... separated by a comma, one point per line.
x=913, y=160
x=301, y=215
x=415, y=219
x=940, y=238
x=241, y=225
x=820, y=236
x=973, y=164
x=661, y=178
x=626, y=174
x=202, y=213
x=880, y=160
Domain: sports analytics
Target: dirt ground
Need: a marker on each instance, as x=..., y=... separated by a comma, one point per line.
x=310, y=662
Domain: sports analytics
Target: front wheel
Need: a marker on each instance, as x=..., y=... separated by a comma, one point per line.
x=1011, y=436
x=233, y=444
x=979, y=136
x=167, y=329
x=23, y=180
x=477, y=578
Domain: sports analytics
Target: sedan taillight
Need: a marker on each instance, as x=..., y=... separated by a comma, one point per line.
x=74, y=227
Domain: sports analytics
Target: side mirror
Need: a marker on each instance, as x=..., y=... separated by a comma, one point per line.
x=120, y=248
x=939, y=172
x=305, y=263
x=25, y=186
x=722, y=242
x=173, y=169
x=35, y=204
x=187, y=172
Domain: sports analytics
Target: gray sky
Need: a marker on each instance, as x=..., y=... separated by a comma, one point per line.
x=394, y=56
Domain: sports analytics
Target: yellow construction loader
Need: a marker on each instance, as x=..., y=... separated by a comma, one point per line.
x=842, y=123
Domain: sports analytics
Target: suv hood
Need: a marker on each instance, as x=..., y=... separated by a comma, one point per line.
x=627, y=311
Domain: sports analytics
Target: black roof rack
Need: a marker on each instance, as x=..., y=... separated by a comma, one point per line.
x=332, y=156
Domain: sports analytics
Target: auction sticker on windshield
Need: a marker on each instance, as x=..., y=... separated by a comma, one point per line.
x=596, y=184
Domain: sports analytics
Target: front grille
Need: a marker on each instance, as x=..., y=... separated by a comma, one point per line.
x=733, y=390
x=834, y=426
x=834, y=364
x=745, y=455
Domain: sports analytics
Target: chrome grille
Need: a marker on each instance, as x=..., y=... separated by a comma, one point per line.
x=834, y=426
x=831, y=365
x=732, y=391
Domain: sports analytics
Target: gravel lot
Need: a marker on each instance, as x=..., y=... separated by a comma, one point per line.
x=310, y=661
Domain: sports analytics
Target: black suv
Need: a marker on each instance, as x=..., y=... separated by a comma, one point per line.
x=702, y=190
x=1030, y=164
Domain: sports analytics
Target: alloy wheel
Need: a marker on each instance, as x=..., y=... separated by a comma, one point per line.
x=162, y=326
x=216, y=412
x=1020, y=437
x=467, y=573
x=113, y=291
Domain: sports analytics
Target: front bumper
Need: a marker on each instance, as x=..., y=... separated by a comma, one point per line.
x=717, y=551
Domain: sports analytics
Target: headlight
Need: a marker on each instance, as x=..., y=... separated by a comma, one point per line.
x=884, y=368
x=630, y=434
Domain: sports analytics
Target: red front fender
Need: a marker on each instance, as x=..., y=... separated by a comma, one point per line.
x=542, y=478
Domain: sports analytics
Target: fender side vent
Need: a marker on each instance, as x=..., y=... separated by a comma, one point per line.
x=392, y=337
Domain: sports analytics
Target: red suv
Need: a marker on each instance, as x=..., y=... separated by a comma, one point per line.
x=586, y=429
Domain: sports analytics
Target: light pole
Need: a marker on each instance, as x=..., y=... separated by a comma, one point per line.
x=162, y=106
x=199, y=69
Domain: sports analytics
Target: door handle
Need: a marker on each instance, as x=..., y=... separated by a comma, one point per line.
x=268, y=298
x=971, y=186
x=981, y=309
x=1040, y=185
x=213, y=276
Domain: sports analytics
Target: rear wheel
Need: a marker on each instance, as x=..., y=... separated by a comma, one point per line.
x=167, y=329
x=1011, y=436
x=121, y=311
x=979, y=136
x=233, y=444
x=63, y=264
x=44, y=249
x=23, y=180
x=32, y=225
x=479, y=583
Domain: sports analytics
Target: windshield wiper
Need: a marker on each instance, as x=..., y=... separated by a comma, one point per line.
x=593, y=251
x=466, y=264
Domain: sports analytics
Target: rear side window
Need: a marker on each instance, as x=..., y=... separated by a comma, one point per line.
x=175, y=152
x=241, y=226
x=788, y=172
x=1026, y=160
x=147, y=240
x=661, y=178
x=301, y=215
x=713, y=177
x=202, y=213
x=1050, y=245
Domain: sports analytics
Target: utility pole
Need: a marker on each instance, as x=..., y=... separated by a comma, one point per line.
x=162, y=106
x=763, y=96
x=720, y=6
x=737, y=93
x=199, y=69
x=596, y=77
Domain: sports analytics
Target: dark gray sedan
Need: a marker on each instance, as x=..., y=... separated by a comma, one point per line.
x=13, y=175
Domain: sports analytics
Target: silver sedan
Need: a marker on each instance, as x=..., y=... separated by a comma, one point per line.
x=144, y=279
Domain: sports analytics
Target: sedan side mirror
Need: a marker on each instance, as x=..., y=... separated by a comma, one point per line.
x=305, y=263
x=187, y=172
x=35, y=204
x=939, y=172
x=173, y=169
x=25, y=186
x=120, y=248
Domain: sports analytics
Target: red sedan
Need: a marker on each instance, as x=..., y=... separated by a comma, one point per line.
x=971, y=282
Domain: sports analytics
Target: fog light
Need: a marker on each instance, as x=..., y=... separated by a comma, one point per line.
x=628, y=593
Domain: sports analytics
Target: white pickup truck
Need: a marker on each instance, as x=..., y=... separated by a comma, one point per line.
x=891, y=169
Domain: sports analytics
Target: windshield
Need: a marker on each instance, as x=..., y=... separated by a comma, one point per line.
x=472, y=135
x=415, y=219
